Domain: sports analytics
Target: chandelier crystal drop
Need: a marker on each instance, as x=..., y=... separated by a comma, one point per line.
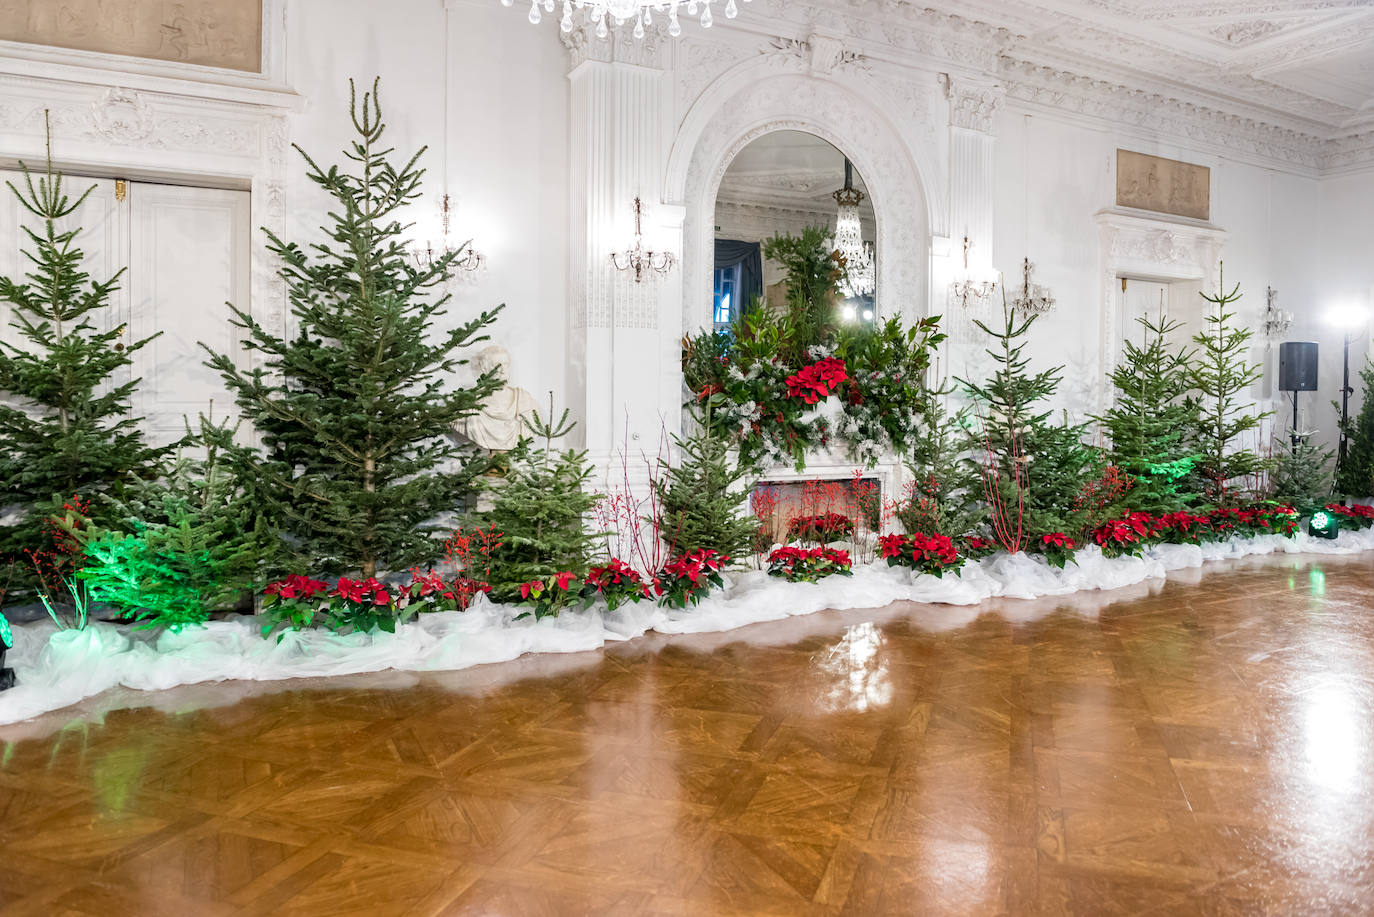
x=618, y=12
x=859, y=275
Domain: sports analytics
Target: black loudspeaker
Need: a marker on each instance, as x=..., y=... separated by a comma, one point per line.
x=1298, y=366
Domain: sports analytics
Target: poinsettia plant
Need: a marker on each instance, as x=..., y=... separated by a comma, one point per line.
x=1058, y=549
x=933, y=554
x=1357, y=516
x=616, y=582
x=1129, y=535
x=684, y=581
x=298, y=602
x=549, y=596
x=807, y=565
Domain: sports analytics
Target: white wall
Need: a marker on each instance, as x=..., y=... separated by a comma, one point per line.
x=505, y=157
x=1054, y=174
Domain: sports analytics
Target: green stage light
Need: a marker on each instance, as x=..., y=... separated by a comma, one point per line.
x=6, y=641
x=1323, y=525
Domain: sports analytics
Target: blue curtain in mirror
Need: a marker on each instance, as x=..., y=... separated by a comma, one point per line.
x=730, y=252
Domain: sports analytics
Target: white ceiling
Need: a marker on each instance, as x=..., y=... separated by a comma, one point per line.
x=1309, y=61
x=791, y=170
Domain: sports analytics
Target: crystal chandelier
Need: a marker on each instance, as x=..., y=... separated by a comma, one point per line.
x=468, y=261
x=622, y=11
x=1033, y=299
x=970, y=289
x=639, y=259
x=1275, y=322
x=859, y=276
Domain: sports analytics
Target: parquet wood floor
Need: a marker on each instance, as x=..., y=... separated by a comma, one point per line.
x=1192, y=747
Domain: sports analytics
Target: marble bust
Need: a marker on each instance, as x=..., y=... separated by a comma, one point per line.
x=499, y=424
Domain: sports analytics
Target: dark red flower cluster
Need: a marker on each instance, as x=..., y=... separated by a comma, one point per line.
x=1057, y=540
x=1359, y=515
x=371, y=589
x=1124, y=536
x=296, y=587
x=683, y=581
x=536, y=588
x=617, y=582
x=808, y=564
x=823, y=528
x=927, y=553
x=819, y=380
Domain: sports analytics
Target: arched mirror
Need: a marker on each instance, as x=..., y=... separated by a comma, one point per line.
x=791, y=185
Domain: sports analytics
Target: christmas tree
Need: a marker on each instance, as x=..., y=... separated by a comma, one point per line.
x=702, y=504
x=1034, y=471
x=66, y=430
x=1219, y=374
x=1355, y=476
x=540, y=509
x=945, y=497
x=184, y=546
x=1302, y=473
x=354, y=409
x=1150, y=422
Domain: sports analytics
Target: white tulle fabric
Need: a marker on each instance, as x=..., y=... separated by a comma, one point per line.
x=59, y=668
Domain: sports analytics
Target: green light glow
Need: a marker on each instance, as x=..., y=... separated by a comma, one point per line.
x=6, y=635
x=1318, y=581
x=1321, y=520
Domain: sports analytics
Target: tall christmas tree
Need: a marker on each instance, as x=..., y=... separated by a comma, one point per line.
x=1032, y=466
x=702, y=502
x=1150, y=422
x=540, y=510
x=1219, y=374
x=355, y=408
x=1355, y=476
x=67, y=429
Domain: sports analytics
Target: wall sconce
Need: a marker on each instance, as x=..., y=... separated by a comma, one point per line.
x=639, y=259
x=967, y=287
x=1275, y=322
x=468, y=262
x=1033, y=299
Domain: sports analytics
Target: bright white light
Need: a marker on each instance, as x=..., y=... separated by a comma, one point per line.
x=868, y=315
x=849, y=313
x=1347, y=315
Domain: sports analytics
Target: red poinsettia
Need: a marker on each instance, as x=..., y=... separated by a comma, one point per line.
x=533, y=587
x=295, y=587
x=819, y=380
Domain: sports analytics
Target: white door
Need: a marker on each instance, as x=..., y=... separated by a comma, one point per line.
x=1141, y=299
x=189, y=260
x=187, y=256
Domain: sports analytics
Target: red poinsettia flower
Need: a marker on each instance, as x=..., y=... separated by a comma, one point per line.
x=349, y=590
x=533, y=587
x=562, y=579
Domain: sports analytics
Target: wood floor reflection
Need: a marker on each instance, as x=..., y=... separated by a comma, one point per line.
x=1202, y=747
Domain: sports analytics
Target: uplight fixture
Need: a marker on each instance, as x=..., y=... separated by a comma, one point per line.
x=1323, y=525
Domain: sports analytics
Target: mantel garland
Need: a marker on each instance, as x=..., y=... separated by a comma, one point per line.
x=861, y=388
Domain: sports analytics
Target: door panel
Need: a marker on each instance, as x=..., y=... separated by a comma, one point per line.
x=191, y=258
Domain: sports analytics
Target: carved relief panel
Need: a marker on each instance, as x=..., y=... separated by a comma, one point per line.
x=211, y=33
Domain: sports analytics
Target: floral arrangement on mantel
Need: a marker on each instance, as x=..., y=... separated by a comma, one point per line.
x=786, y=383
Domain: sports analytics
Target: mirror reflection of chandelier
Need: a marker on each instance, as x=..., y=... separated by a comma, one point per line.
x=859, y=274
x=622, y=11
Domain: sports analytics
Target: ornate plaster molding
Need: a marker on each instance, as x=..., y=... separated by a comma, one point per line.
x=973, y=104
